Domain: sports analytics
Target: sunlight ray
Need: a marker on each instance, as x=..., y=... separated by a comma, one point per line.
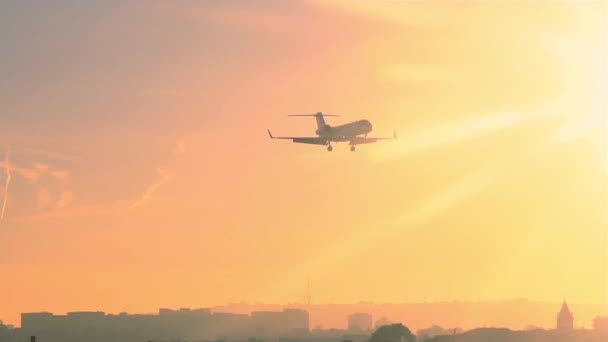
x=364, y=239
x=449, y=133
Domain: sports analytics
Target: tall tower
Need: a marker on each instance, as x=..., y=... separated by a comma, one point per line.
x=308, y=299
x=565, y=320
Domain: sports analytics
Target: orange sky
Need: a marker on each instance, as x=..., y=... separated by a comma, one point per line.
x=142, y=175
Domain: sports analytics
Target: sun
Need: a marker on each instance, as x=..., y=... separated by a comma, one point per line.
x=580, y=54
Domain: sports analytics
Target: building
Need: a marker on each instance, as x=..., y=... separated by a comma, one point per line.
x=183, y=324
x=269, y=323
x=565, y=320
x=360, y=322
x=296, y=320
x=38, y=321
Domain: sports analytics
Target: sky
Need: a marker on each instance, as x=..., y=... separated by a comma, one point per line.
x=136, y=171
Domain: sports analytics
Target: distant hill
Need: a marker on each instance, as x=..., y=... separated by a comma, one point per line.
x=506, y=335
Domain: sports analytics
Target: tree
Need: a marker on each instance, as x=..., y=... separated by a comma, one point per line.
x=393, y=333
x=600, y=324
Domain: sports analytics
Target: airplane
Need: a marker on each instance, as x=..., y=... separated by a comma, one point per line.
x=354, y=132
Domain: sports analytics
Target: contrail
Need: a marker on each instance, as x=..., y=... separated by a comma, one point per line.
x=8, y=181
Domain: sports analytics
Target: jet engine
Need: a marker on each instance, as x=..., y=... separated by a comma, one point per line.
x=325, y=130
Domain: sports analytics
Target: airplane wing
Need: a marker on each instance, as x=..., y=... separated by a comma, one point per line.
x=369, y=140
x=303, y=140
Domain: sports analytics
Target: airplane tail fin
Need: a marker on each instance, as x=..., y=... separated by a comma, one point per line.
x=318, y=116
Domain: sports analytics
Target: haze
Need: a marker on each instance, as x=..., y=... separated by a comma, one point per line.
x=141, y=175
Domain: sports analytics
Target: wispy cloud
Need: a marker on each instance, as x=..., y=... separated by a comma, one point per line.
x=180, y=147
x=151, y=189
x=6, y=184
x=60, y=174
x=81, y=211
x=46, y=154
x=41, y=166
x=35, y=170
x=65, y=198
x=43, y=197
x=31, y=174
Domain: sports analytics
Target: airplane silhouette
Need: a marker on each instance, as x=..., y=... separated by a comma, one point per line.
x=354, y=132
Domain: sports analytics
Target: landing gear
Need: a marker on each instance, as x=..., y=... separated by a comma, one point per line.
x=352, y=148
x=329, y=148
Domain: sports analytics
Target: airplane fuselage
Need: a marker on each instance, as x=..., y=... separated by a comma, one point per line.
x=348, y=130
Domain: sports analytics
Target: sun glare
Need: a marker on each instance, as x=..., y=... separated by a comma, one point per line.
x=581, y=56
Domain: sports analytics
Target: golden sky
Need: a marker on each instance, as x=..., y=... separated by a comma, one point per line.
x=141, y=175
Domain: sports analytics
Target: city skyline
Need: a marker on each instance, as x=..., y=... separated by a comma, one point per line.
x=136, y=171
x=524, y=313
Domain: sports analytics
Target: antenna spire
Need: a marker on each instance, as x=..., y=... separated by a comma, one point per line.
x=308, y=300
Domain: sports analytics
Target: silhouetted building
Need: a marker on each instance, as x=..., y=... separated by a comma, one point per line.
x=267, y=323
x=565, y=320
x=167, y=325
x=296, y=320
x=37, y=321
x=4, y=332
x=360, y=322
